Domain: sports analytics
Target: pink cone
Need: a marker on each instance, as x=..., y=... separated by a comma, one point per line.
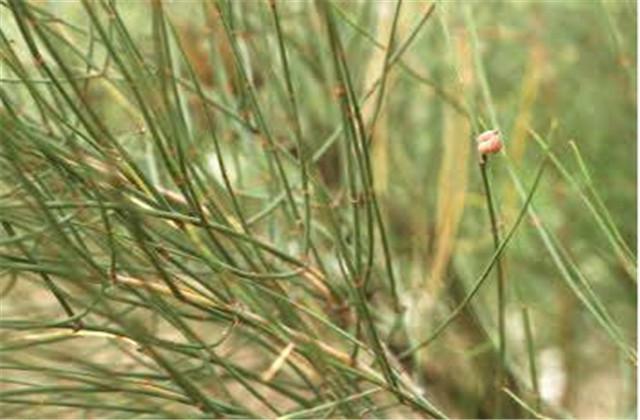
x=489, y=142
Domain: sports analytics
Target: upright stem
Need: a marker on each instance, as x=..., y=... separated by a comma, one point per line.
x=533, y=370
x=500, y=288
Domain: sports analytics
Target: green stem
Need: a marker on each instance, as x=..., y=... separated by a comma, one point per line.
x=533, y=370
x=483, y=276
x=502, y=350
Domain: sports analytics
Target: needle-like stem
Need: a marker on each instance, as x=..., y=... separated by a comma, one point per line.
x=500, y=286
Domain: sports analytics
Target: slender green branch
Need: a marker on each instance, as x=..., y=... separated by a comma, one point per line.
x=502, y=345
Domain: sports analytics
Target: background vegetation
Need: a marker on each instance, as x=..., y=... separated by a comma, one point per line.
x=275, y=209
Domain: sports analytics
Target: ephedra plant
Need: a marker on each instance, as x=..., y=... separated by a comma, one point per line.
x=274, y=209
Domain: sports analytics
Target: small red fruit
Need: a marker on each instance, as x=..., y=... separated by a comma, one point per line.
x=489, y=142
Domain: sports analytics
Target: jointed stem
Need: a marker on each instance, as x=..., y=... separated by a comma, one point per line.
x=500, y=287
